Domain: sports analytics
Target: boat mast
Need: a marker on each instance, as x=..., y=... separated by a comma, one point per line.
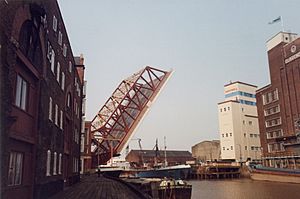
x=156, y=152
x=166, y=163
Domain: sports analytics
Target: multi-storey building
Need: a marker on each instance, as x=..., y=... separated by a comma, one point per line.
x=279, y=103
x=238, y=123
x=41, y=99
x=86, y=144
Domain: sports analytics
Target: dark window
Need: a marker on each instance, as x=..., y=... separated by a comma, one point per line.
x=21, y=93
x=15, y=168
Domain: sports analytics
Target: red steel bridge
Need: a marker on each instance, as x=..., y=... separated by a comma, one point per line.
x=114, y=125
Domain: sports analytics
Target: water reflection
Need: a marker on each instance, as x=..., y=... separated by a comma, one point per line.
x=244, y=189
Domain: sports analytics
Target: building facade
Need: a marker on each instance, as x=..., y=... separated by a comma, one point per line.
x=140, y=158
x=238, y=123
x=41, y=99
x=86, y=154
x=207, y=151
x=279, y=103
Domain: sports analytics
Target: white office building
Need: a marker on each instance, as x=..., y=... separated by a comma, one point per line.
x=238, y=123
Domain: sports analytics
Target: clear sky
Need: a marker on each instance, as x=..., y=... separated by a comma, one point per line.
x=207, y=43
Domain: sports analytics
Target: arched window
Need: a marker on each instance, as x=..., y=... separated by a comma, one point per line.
x=30, y=43
x=69, y=100
x=48, y=163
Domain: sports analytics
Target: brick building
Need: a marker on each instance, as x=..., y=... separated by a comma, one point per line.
x=138, y=157
x=279, y=103
x=86, y=155
x=41, y=99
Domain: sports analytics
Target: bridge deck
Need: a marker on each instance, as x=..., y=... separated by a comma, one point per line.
x=98, y=187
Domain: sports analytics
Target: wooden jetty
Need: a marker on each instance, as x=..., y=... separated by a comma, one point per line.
x=216, y=171
x=100, y=187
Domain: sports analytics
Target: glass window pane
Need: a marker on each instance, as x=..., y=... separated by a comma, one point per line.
x=18, y=91
x=24, y=95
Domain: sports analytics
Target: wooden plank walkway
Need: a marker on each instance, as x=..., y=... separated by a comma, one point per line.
x=98, y=187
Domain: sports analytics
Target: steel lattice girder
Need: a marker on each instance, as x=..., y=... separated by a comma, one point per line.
x=123, y=111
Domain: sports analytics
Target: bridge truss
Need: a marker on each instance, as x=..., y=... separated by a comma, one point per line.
x=114, y=124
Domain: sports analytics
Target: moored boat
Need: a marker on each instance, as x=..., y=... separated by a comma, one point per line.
x=171, y=189
x=175, y=172
x=275, y=174
x=111, y=171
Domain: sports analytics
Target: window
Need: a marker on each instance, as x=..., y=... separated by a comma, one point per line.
x=52, y=60
x=273, y=122
x=242, y=109
x=244, y=122
x=48, y=163
x=274, y=134
x=275, y=147
x=244, y=134
x=63, y=81
x=50, y=108
x=251, y=135
x=231, y=147
x=70, y=66
x=21, y=93
x=225, y=109
x=272, y=110
x=250, y=122
x=15, y=168
x=226, y=134
x=59, y=164
x=270, y=97
x=230, y=134
x=54, y=23
x=246, y=148
x=58, y=72
x=65, y=50
x=228, y=108
x=69, y=102
x=56, y=114
x=223, y=148
x=54, y=164
x=252, y=148
x=60, y=38
x=222, y=134
x=49, y=51
x=61, y=119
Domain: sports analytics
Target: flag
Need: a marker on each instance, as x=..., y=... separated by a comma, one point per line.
x=275, y=20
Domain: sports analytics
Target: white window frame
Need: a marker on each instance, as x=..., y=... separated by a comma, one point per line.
x=52, y=61
x=48, y=163
x=54, y=23
x=61, y=119
x=21, y=97
x=54, y=163
x=56, y=114
x=50, y=108
x=15, y=170
x=59, y=163
x=70, y=66
x=58, y=72
x=65, y=48
x=59, y=38
x=63, y=81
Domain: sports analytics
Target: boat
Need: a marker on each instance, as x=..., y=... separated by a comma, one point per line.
x=171, y=189
x=275, y=174
x=110, y=171
x=176, y=172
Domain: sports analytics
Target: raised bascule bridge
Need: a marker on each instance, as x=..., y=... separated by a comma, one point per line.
x=115, y=123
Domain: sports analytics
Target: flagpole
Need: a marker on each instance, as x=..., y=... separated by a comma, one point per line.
x=282, y=27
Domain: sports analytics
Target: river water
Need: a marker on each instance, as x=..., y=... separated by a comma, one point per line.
x=243, y=189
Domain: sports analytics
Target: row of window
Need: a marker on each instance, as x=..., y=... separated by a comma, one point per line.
x=249, y=122
x=56, y=111
x=226, y=134
x=247, y=102
x=273, y=147
x=274, y=134
x=48, y=163
x=270, y=97
x=55, y=24
x=241, y=93
x=253, y=148
x=228, y=109
x=273, y=122
x=254, y=135
x=272, y=110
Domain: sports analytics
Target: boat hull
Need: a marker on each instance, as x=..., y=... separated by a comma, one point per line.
x=275, y=175
x=175, y=173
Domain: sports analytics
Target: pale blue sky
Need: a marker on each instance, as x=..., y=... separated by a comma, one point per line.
x=207, y=43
